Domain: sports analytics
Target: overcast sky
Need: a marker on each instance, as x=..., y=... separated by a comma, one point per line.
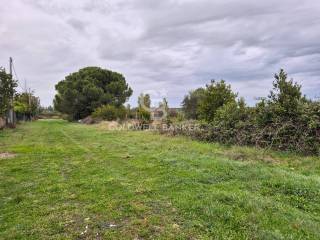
x=164, y=47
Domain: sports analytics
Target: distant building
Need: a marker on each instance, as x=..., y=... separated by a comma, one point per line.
x=157, y=113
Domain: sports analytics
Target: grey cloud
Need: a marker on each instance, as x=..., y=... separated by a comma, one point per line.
x=169, y=45
x=77, y=24
x=100, y=6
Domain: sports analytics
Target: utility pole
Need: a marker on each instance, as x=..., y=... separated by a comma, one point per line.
x=29, y=102
x=25, y=91
x=11, y=118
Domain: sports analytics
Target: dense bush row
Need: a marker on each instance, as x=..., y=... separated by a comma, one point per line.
x=285, y=120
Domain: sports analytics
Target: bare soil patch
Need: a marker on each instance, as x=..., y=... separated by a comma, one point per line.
x=7, y=155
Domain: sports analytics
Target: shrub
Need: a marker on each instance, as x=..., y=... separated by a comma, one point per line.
x=143, y=115
x=283, y=119
x=215, y=96
x=232, y=124
x=110, y=112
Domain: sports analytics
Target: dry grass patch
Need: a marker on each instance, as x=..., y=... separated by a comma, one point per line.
x=6, y=155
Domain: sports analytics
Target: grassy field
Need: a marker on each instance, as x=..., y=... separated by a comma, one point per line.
x=70, y=181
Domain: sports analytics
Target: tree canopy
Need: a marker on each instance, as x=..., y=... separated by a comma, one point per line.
x=7, y=91
x=80, y=93
x=26, y=105
x=285, y=96
x=191, y=102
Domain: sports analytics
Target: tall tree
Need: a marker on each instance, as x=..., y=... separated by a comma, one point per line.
x=7, y=91
x=285, y=96
x=191, y=103
x=80, y=93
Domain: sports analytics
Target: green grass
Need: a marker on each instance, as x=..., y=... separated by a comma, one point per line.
x=67, y=178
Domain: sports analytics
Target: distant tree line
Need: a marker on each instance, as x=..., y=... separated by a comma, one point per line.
x=101, y=94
